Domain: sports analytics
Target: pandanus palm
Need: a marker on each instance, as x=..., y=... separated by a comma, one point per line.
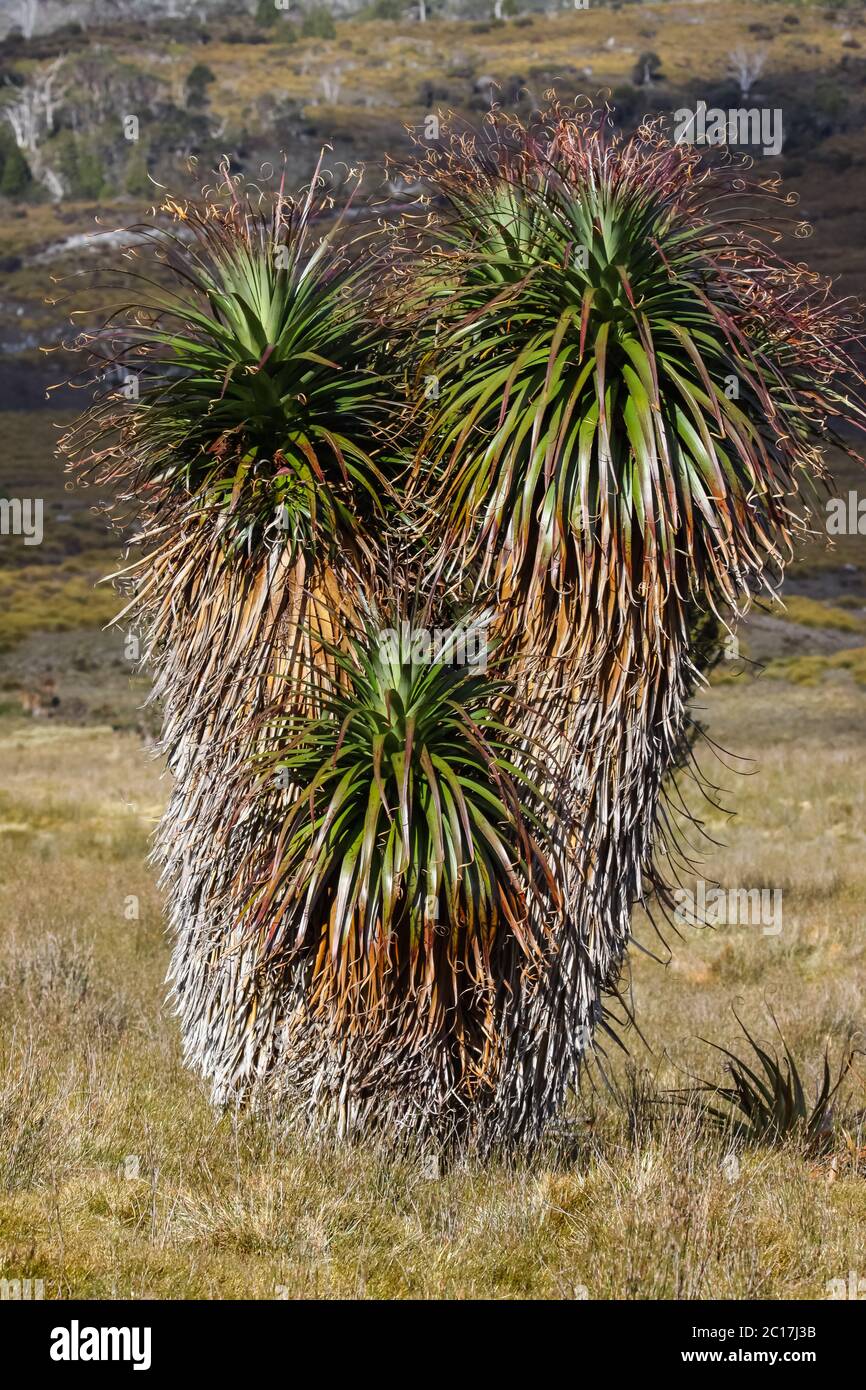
x=247, y=437
x=632, y=391
x=400, y=888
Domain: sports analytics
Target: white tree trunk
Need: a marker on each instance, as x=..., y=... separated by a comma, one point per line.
x=31, y=117
x=747, y=66
x=28, y=10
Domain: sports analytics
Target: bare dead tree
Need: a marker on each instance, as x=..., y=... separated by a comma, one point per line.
x=28, y=10
x=331, y=84
x=747, y=65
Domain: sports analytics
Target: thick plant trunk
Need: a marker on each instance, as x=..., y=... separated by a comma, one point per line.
x=609, y=680
x=425, y=1058
x=225, y=642
x=499, y=1060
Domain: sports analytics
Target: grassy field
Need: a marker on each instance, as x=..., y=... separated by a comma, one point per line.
x=117, y=1179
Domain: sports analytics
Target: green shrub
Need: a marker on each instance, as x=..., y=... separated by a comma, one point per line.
x=16, y=175
x=197, y=83
x=319, y=24
x=81, y=165
x=137, y=182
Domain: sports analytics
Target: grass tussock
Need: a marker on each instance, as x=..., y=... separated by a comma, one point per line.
x=809, y=612
x=812, y=669
x=56, y=598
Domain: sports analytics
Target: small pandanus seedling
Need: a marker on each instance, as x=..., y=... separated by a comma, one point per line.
x=767, y=1100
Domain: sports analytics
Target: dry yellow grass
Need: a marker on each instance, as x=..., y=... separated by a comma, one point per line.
x=117, y=1178
x=381, y=65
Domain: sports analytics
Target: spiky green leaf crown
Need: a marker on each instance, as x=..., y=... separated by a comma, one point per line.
x=409, y=828
x=256, y=354
x=620, y=373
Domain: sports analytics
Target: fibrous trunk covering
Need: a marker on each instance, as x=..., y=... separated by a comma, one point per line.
x=382, y=1033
